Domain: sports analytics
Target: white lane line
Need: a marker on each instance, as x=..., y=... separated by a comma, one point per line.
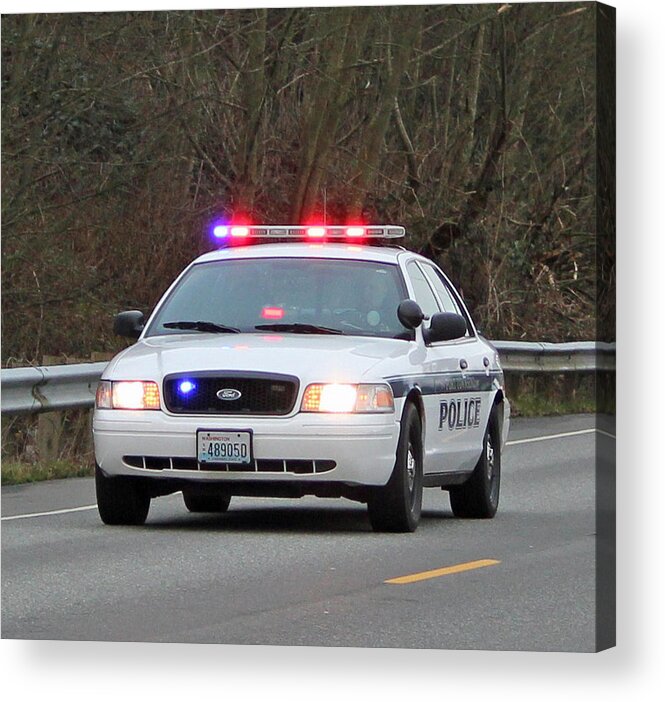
x=48, y=514
x=56, y=511
x=558, y=436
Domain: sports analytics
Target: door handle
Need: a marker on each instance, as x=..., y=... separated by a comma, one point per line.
x=463, y=364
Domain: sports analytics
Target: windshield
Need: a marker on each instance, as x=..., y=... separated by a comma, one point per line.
x=285, y=295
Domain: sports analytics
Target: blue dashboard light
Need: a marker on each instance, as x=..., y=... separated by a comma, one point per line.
x=185, y=387
x=220, y=231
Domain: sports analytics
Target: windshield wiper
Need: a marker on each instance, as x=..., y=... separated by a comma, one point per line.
x=297, y=328
x=202, y=326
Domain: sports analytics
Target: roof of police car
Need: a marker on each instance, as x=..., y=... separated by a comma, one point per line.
x=358, y=252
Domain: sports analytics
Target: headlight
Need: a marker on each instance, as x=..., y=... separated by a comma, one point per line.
x=127, y=394
x=334, y=397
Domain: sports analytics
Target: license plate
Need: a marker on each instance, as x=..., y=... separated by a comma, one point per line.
x=221, y=446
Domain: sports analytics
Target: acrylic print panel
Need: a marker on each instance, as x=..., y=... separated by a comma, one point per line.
x=487, y=131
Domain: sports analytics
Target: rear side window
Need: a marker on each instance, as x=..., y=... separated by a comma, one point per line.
x=423, y=292
x=446, y=298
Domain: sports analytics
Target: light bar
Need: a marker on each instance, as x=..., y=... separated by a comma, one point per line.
x=297, y=231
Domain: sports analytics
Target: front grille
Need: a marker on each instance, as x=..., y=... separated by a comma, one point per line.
x=259, y=465
x=262, y=394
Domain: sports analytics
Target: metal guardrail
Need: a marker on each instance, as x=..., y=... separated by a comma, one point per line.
x=573, y=357
x=57, y=388
x=49, y=388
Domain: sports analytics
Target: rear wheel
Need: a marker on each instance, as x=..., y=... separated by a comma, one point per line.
x=397, y=506
x=120, y=500
x=478, y=497
x=205, y=503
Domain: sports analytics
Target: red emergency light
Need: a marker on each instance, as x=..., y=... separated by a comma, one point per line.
x=272, y=313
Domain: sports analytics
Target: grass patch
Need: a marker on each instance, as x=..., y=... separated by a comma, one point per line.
x=549, y=395
x=34, y=449
x=15, y=472
x=539, y=406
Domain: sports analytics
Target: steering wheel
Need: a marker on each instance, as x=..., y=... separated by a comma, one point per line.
x=349, y=318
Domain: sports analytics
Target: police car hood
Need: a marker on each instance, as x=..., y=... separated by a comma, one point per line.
x=310, y=357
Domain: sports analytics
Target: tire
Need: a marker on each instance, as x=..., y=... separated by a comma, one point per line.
x=478, y=497
x=397, y=506
x=120, y=500
x=205, y=503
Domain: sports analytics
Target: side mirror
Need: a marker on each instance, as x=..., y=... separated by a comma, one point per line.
x=129, y=324
x=445, y=326
x=409, y=314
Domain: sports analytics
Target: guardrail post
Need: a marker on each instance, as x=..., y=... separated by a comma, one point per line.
x=49, y=432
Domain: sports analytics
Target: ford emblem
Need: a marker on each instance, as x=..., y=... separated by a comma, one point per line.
x=229, y=394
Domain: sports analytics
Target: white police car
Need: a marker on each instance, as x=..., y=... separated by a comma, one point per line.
x=324, y=366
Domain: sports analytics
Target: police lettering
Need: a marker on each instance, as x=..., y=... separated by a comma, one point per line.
x=459, y=414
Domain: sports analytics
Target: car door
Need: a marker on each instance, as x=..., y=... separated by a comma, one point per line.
x=464, y=410
x=445, y=449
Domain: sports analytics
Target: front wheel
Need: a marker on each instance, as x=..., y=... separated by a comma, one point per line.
x=120, y=500
x=478, y=497
x=397, y=506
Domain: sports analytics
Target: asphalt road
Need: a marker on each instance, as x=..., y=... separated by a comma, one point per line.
x=311, y=572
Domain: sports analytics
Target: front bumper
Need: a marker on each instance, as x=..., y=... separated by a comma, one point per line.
x=362, y=446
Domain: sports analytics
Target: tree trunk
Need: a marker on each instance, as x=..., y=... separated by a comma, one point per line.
x=341, y=49
x=405, y=24
x=253, y=96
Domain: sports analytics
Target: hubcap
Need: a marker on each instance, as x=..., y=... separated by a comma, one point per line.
x=410, y=468
x=489, y=459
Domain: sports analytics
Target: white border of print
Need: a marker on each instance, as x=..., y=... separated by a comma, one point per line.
x=173, y=671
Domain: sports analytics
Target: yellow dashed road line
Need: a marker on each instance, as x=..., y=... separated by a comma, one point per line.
x=427, y=574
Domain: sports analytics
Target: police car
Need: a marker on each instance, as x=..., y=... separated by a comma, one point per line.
x=316, y=364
